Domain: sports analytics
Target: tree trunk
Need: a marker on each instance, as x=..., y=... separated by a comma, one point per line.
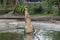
x=59, y=10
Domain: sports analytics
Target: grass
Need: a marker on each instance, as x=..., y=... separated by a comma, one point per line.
x=43, y=14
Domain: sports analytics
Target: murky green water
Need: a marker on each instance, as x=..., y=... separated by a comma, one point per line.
x=12, y=34
x=48, y=35
x=41, y=34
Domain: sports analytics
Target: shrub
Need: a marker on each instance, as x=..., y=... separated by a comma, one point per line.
x=36, y=8
x=21, y=8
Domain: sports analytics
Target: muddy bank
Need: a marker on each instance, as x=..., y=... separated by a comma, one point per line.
x=35, y=18
x=41, y=25
x=45, y=18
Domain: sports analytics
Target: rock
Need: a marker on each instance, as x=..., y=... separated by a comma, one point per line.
x=3, y=26
x=12, y=25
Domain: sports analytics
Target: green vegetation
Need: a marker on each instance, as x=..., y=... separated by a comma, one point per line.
x=58, y=4
x=49, y=7
x=37, y=9
x=42, y=14
x=21, y=8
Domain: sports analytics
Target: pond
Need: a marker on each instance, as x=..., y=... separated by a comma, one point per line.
x=12, y=34
x=42, y=35
x=47, y=31
x=48, y=35
x=43, y=31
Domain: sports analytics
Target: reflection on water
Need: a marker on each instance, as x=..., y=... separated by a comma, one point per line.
x=29, y=37
x=12, y=34
x=48, y=35
x=17, y=34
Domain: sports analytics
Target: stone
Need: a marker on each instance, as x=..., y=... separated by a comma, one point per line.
x=3, y=26
x=13, y=25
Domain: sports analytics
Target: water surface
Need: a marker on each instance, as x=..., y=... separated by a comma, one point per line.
x=47, y=35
